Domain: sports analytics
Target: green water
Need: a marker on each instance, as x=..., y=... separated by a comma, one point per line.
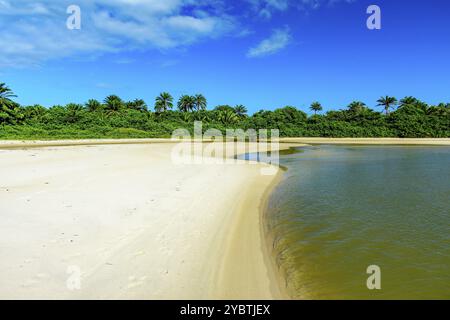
x=340, y=209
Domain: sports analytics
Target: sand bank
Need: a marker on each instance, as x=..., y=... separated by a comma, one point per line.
x=124, y=222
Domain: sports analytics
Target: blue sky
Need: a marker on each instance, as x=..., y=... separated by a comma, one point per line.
x=263, y=54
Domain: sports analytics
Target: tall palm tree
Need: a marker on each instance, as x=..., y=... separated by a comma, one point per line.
x=163, y=102
x=387, y=102
x=200, y=102
x=186, y=103
x=356, y=106
x=113, y=104
x=240, y=110
x=93, y=105
x=316, y=107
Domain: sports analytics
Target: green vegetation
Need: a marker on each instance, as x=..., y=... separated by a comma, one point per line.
x=115, y=118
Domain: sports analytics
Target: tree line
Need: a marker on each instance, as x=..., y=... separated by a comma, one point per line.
x=116, y=118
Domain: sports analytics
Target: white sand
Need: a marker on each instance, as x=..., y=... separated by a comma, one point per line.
x=134, y=224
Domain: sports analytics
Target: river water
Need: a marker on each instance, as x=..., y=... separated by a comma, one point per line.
x=341, y=209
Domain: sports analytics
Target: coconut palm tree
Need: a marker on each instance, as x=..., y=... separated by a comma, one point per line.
x=241, y=111
x=163, y=102
x=93, y=105
x=316, y=107
x=113, y=104
x=387, y=102
x=357, y=106
x=200, y=102
x=186, y=103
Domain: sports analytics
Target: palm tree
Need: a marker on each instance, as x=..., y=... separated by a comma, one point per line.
x=35, y=111
x=356, y=106
x=227, y=116
x=73, y=112
x=9, y=110
x=408, y=101
x=387, y=102
x=186, y=103
x=224, y=108
x=137, y=104
x=113, y=104
x=241, y=111
x=202, y=115
x=93, y=105
x=186, y=116
x=6, y=94
x=200, y=102
x=316, y=107
x=163, y=102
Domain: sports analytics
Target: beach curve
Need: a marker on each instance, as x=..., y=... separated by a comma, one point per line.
x=226, y=258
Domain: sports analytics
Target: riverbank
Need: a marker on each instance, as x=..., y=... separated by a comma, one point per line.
x=128, y=223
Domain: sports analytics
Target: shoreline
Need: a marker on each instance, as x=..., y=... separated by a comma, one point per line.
x=256, y=276
x=203, y=266
x=7, y=144
x=371, y=141
x=257, y=265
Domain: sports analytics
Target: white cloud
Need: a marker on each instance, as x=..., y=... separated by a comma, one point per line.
x=266, y=8
x=34, y=33
x=279, y=39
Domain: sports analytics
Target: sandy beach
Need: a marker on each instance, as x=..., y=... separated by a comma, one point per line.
x=132, y=224
x=128, y=223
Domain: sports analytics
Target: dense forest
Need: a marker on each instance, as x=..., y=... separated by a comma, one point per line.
x=115, y=118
